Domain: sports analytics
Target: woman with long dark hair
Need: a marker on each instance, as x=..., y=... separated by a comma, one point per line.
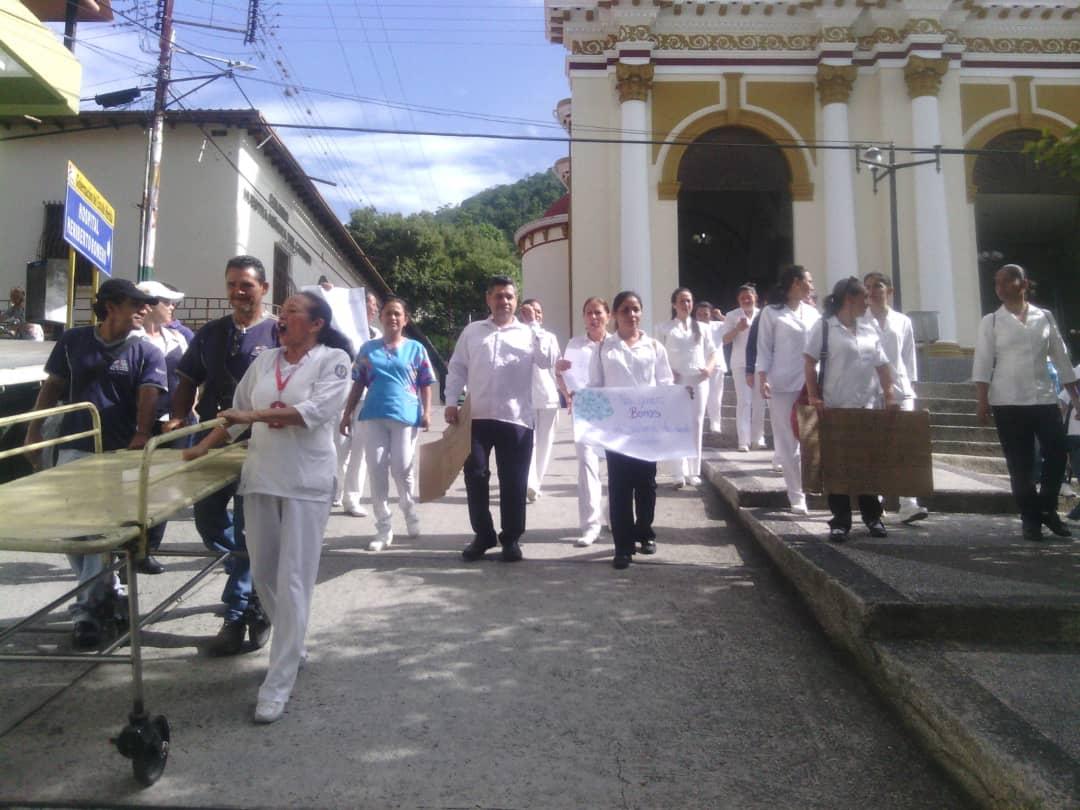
x=292, y=398
x=1011, y=379
x=692, y=355
x=630, y=358
x=857, y=371
x=782, y=330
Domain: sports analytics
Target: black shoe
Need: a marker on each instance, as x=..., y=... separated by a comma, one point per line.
x=1032, y=529
x=837, y=534
x=621, y=561
x=258, y=623
x=86, y=634
x=476, y=549
x=230, y=638
x=1052, y=521
x=648, y=547
x=877, y=529
x=149, y=565
x=511, y=552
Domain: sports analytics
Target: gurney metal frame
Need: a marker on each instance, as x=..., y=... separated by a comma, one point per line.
x=144, y=740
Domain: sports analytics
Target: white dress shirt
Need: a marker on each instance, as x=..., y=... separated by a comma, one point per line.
x=1011, y=356
x=294, y=461
x=898, y=340
x=738, y=345
x=687, y=354
x=545, y=394
x=851, y=379
x=716, y=331
x=617, y=365
x=496, y=362
x=781, y=343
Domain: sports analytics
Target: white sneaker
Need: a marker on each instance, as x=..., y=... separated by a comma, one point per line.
x=680, y=482
x=744, y=448
x=761, y=445
x=412, y=526
x=588, y=538
x=911, y=514
x=337, y=503
x=381, y=541
x=694, y=480
x=356, y=510
x=798, y=507
x=268, y=711
x=777, y=468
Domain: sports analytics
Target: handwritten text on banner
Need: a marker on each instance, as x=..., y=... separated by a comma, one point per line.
x=651, y=424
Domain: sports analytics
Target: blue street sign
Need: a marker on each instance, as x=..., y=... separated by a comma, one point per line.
x=88, y=221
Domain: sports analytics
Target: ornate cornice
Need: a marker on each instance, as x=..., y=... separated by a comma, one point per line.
x=634, y=33
x=633, y=81
x=705, y=42
x=834, y=83
x=921, y=25
x=837, y=34
x=1022, y=45
x=923, y=76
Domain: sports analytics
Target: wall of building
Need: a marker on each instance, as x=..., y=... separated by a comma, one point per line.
x=544, y=276
x=208, y=211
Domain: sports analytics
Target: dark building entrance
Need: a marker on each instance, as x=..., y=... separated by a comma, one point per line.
x=1029, y=216
x=735, y=220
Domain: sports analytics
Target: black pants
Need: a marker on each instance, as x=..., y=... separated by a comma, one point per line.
x=840, y=506
x=631, y=489
x=513, y=449
x=1018, y=426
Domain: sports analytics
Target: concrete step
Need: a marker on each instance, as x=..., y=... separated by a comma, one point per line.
x=947, y=405
x=967, y=448
x=963, y=433
x=988, y=465
x=945, y=390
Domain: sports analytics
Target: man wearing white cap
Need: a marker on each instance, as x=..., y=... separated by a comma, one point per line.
x=172, y=344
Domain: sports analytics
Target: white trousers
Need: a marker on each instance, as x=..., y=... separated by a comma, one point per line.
x=749, y=411
x=284, y=541
x=390, y=448
x=590, y=508
x=352, y=465
x=787, y=446
x=716, y=400
x=908, y=404
x=543, y=440
x=692, y=465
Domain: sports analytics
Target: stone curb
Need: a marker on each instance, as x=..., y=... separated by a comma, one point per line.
x=992, y=752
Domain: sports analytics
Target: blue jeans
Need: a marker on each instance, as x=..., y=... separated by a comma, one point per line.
x=222, y=530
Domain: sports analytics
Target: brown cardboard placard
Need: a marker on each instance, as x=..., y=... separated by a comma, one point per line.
x=858, y=451
x=442, y=460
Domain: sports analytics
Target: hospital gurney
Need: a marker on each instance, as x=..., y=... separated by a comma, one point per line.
x=104, y=503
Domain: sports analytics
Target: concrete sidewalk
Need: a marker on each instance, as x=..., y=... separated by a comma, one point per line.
x=695, y=679
x=970, y=632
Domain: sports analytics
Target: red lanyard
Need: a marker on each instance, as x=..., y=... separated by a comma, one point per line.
x=277, y=376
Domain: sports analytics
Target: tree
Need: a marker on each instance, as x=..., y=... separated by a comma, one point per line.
x=1059, y=154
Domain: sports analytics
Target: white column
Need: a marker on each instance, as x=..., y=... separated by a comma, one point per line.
x=841, y=252
x=933, y=238
x=635, y=244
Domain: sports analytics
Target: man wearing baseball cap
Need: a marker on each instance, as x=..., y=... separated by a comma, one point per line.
x=122, y=375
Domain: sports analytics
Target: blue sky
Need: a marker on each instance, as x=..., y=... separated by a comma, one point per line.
x=445, y=65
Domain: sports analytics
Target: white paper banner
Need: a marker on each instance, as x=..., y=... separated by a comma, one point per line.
x=577, y=376
x=349, y=305
x=651, y=424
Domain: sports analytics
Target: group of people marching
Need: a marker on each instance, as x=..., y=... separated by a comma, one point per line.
x=285, y=383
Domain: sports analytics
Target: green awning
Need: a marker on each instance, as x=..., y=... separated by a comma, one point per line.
x=38, y=75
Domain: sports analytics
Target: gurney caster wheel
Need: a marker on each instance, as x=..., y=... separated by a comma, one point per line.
x=145, y=741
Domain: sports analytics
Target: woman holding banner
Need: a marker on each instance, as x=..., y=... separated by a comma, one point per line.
x=630, y=359
x=855, y=365
x=782, y=330
x=692, y=355
x=582, y=348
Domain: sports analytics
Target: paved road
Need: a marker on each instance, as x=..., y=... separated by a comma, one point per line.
x=694, y=679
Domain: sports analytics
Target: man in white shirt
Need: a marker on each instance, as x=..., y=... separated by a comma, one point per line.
x=495, y=359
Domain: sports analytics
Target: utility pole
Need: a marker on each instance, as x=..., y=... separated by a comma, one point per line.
x=152, y=185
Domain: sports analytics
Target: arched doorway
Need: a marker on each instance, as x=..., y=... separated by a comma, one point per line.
x=735, y=219
x=1031, y=217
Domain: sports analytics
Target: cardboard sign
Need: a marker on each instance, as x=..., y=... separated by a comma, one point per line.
x=856, y=451
x=442, y=460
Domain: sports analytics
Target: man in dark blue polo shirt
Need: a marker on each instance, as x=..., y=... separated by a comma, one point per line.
x=217, y=358
x=122, y=375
